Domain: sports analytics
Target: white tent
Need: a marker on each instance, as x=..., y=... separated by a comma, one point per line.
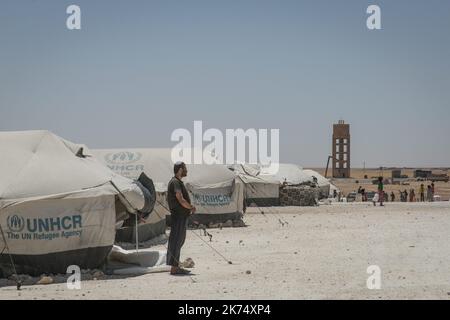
x=259, y=191
x=324, y=184
x=58, y=203
x=286, y=173
x=214, y=190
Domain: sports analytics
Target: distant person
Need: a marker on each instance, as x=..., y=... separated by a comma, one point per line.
x=401, y=195
x=180, y=210
x=375, y=199
x=432, y=191
x=362, y=191
x=422, y=193
x=380, y=190
x=412, y=196
x=406, y=195
x=429, y=194
x=334, y=193
x=392, y=196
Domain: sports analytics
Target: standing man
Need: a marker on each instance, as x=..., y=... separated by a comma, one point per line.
x=422, y=193
x=180, y=210
x=380, y=190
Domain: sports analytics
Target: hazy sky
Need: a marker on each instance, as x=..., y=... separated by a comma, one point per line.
x=137, y=70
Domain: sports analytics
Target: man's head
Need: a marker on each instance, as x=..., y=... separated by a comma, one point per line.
x=179, y=169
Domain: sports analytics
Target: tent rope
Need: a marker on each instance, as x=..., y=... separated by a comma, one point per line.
x=198, y=236
x=18, y=282
x=280, y=220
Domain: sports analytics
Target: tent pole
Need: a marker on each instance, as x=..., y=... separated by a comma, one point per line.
x=18, y=282
x=136, y=213
x=137, y=234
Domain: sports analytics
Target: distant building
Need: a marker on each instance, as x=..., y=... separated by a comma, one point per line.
x=422, y=174
x=341, y=150
x=396, y=174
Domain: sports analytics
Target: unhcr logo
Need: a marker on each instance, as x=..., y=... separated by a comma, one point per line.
x=212, y=200
x=44, y=228
x=15, y=223
x=123, y=157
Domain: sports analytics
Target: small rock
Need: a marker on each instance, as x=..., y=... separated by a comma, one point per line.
x=239, y=223
x=188, y=263
x=248, y=272
x=228, y=224
x=45, y=280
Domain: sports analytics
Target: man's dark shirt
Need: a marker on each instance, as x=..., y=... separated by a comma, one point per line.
x=176, y=185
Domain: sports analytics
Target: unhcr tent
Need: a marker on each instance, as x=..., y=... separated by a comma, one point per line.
x=58, y=205
x=215, y=191
x=325, y=186
x=286, y=173
x=297, y=188
x=259, y=191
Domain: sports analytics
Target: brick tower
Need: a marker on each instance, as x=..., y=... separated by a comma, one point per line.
x=341, y=150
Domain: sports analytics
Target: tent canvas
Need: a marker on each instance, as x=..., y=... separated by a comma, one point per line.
x=326, y=187
x=286, y=173
x=215, y=191
x=259, y=191
x=57, y=203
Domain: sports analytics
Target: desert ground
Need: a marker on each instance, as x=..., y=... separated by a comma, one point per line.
x=297, y=253
x=357, y=179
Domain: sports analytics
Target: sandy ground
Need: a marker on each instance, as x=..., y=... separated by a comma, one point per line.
x=320, y=253
x=349, y=185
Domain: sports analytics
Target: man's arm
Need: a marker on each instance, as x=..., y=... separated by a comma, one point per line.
x=183, y=201
x=179, y=195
